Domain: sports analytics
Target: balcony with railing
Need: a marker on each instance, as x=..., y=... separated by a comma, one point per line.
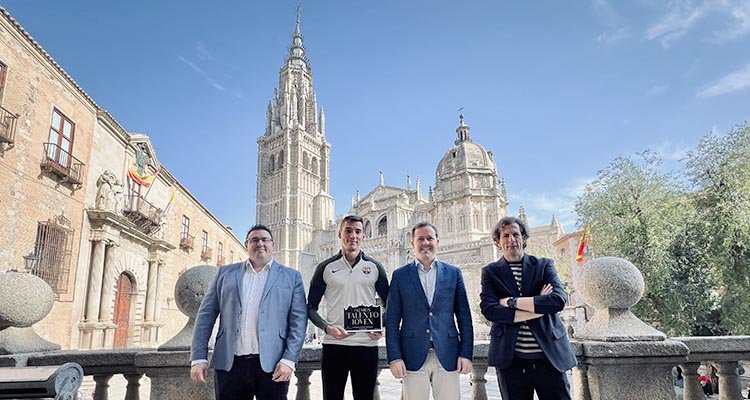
x=206, y=254
x=142, y=213
x=8, y=126
x=187, y=241
x=619, y=356
x=63, y=164
x=221, y=260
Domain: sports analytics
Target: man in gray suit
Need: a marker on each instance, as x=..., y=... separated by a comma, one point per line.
x=262, y=325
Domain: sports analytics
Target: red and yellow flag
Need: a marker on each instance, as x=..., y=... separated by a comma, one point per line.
x=582, y=245
x=143, y=180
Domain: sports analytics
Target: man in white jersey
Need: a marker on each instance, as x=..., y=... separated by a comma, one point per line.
x=522, y=295
x=348, y=279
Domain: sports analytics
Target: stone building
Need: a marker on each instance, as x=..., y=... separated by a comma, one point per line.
x=293, y=181
x=87, y=206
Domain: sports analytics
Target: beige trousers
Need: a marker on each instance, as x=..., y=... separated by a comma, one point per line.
x=445, y=385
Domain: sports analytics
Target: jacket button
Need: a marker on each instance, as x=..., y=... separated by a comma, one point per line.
x=428, y=331
x=430, y=313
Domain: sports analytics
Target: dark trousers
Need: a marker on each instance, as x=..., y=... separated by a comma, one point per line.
x=339, y=361
x=247, y=380
x=519, y=381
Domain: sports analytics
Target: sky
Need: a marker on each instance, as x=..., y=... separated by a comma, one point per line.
x=555, y=89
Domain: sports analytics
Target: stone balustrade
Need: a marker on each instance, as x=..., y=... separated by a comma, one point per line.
x=619, y=356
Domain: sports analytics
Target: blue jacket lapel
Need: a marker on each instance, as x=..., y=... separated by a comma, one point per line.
x=414, y=278
x=441, y=282
x=273, y=275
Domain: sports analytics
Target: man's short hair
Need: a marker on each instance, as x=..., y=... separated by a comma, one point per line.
x=505, y=221
x=351, y=218
x=422, y=225
x=258, y=227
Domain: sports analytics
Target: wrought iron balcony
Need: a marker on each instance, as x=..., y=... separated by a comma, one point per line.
x=63, y=164
x=142, y=213
x=206, y=254
x=7, y=126
x=187, y=241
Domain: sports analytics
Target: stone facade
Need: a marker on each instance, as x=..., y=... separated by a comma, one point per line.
x=293, y=192
x=74, y=213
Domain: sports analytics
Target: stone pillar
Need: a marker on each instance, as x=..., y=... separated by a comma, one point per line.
x=157, y=302
x=106, y=333
x=478, y=382
x=692, y=386
x=95, y=282
x=303, y=384
x=150, y=291
x=729, y=382
x=25, y=299
x=618, y=348
x=581, y=382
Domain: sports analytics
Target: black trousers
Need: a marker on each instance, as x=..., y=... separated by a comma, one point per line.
x=247, y=380
x=340, y=361
x=523, y=377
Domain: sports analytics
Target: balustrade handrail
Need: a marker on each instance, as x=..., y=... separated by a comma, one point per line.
x=62, y=162
x=138, y=203
x=7, y=126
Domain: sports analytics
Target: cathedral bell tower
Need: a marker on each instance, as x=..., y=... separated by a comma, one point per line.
x=293, y=197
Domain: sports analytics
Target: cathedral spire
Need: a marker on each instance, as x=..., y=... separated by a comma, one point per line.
x=296, y=56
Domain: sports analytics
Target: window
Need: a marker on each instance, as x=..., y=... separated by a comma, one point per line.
x=231, y=256
x=52, y=252
x=383, y=226
x=204, y=241
x=61, y=133
x=3, y=71
x=185, y=227
x=221, y=249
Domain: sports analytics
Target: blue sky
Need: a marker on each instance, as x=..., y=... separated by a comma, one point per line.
x=555, y=89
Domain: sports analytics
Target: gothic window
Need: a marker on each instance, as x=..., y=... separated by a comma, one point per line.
x=315, y=166
x=60, y=139
x=280, y=160
x=450, y=224
x=461, y=222
x=305, y=160
x=489, y=220
x=271, y=164
x=52, y=252
x=475, y=218
x=383, y=226
x=368, y=229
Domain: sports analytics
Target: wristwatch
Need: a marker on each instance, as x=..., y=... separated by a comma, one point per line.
x=512, y=303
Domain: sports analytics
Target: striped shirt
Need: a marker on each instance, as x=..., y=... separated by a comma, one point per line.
x=526, y=344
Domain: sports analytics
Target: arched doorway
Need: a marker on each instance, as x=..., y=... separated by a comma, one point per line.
x=122, y=311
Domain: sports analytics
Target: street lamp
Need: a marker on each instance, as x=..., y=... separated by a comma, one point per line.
x=30, y=262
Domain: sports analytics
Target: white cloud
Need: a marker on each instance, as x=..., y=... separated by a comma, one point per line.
x=203, y=52
x=203, y=73
x=735, y=81
x=541, y=206
x=684, y=15
x=617, y=31
x=671, y=151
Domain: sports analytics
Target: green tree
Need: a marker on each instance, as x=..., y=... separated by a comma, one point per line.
x=719, y=171
x=635, y=211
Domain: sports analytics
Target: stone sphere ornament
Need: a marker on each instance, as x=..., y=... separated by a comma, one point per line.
x=611, y=282
x=189, y=290
x=25, y=299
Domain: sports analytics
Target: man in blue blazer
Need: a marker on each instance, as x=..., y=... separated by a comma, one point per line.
x=426, y=298
x=262, y=325
x=522, y=295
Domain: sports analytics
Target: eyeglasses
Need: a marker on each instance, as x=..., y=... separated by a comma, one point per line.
x=258, y=240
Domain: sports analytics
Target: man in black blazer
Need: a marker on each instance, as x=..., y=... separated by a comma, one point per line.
x=521, y=295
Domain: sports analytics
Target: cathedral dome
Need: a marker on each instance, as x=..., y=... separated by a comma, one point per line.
x=464, y=155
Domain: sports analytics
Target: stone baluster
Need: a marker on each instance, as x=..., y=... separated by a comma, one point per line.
x=101, y=391
x=478, y=382
x=729, y=382
x=581, y=382
x=303, y=384
x=692, y=386
x=132, y=391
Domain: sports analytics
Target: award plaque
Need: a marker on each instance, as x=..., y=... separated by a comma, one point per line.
x=363, y=319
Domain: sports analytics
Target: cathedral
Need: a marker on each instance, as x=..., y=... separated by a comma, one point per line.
x=293, y=185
